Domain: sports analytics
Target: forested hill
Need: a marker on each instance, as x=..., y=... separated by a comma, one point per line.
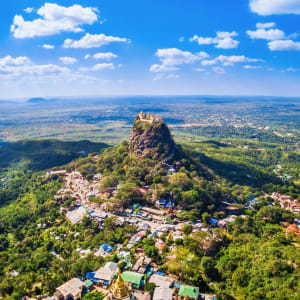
x=40, y=155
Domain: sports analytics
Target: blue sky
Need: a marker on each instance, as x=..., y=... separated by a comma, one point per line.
x=117, y=47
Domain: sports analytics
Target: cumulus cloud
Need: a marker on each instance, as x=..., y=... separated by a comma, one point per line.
x=199, y=69
x=162, y=68
x=104, y=66
x=87, y=56
x=171, y=58
x=233, y=59
x=202, y=54
x=99, y=67
x=223, y=40
x=208, y=62
x=105, y=55
x=218, y=70
x=22, y=65
x=29, y=10
x=48, y=46
x=250, y=67
x=9, y=61
x=284, y=45
x=266, y=31
x=275, y=7
x=265, y=25
x=66, y=60
x=160, y=76
x=22, y=69
x=54, y=19
x=93, y=41
x=229, y=60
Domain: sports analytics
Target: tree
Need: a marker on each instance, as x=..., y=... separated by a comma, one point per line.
x=108, y=182
x=149, y=287
x=180, y=180
x=205, y=218
x=93, y=296
x=187, y=229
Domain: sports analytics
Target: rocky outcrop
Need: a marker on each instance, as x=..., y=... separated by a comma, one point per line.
x=151, y=138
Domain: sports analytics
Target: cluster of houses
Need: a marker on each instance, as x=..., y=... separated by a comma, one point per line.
x=150, y=222
x=130, y=284
x=286, y=202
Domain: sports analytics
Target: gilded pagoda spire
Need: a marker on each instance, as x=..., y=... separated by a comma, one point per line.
x=119, y=290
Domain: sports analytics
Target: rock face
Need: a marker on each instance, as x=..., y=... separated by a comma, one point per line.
x=151, y=138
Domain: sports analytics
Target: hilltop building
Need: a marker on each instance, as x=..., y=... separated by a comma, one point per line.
x=148, y=118
x=120, y=290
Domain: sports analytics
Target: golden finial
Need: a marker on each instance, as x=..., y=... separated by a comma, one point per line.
x=119, y=289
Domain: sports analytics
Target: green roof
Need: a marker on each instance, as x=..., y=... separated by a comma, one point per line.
x=132, y=277
x=88, y=283
x=188, y=290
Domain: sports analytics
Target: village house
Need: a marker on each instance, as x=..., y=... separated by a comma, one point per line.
x=105, y=274
x=188, y=291
x=286, y=202
x=162, y=281
x=142, y=264
x=72, y=289
x=76, y=215
x=133, y=278
x=162, y=293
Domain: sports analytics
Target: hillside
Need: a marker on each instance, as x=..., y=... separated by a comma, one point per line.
x=39, y=155
x=40, y=248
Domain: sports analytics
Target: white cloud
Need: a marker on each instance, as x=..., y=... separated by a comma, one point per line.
x=21, y=71
x=9, y=61
x=265, y=25
x=160, y=76
x=208, y=62
x=266, y=31
x=68, y=60
x=22, y=65
x=218, y=70
x=104, y=66
x=93, y=40
x=162, y=68
x=250, y=67
x=29, y=10
x=105, y=55
x=49, y=47
x=199, y=69
x=284, y=45
x=275, y=7
x=87, y=56
x=172, y=57
x=231, y=60
x=202, y=54
x=223, y=40
x=291, y=69
x=54, y=19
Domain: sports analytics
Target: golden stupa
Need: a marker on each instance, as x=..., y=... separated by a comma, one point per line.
x=119, y=290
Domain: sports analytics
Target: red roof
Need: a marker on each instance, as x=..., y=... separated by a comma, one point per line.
x=293, y=229
x=143, y=190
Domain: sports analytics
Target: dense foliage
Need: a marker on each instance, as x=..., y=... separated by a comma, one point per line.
x=252, y=259
x=37, y=244
x=39, y=155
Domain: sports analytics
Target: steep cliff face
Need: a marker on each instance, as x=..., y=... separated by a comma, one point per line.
x=151, y=138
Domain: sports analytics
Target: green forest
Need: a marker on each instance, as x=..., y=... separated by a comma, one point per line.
x=252, y=259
